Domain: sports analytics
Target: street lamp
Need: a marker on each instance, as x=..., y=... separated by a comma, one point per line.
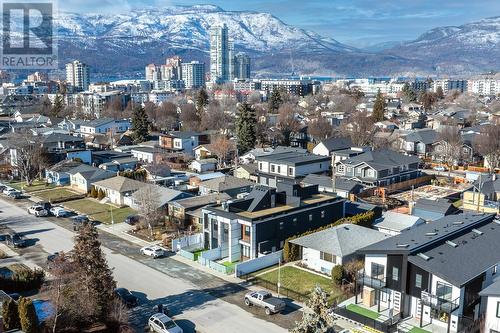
x=107, y=200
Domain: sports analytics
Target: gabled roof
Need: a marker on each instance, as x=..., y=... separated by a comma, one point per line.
x=163, y=195
x=81, y=168
x=326, y=182
x=333, y=144
x=251, y=168
x=95, y=173
x=382, y=159
x=492, y=290
x=64, y=166
x=426, y=135
x=120, y=184
x=225, y=183
x=60, y=137
x=397, y=222
x=443, y=206
x=488, y=185
x=341, y=240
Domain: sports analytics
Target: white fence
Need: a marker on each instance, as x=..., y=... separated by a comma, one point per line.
x=192, y=242
x=256, y=264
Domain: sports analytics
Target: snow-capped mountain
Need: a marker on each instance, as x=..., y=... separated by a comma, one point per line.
x=472, y=47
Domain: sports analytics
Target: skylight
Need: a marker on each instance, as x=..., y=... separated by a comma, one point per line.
x=423, y=256
x=450, y=243
x=479, y=232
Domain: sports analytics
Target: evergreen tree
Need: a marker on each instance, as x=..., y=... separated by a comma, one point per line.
x=27, y=315
x=409, y=94
x=201, y=100
x=93, y=192
x=58, y=106
x=140, y=124
x=245, y=128
x=94, y=276
x=379, y=107
x=318, y=320
x=275, y=101
x=10, y=315
x=439, y=93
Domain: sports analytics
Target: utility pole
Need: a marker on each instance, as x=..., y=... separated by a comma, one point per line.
x=279, y=276
x=480, y=187
x=334, y=187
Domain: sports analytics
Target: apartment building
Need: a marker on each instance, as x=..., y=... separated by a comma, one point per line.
x=77, y=76
x=193, y=74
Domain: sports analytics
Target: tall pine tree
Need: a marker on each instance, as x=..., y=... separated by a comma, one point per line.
x=201, y=100
x=95, y=277
x=58, y=106
x=379, y=107
x=409, y=94
x=27, y=315
x=140, y=124
x=246, y=128
x=319, y=319
x=275, y=101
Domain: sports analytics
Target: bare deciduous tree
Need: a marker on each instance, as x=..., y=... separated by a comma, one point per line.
x=149, y=206
x=487, y=144
x=450, y=150
x=28, y=158
x=361, y=129
x=222, y=147
x=287, y=122
x=320, y=128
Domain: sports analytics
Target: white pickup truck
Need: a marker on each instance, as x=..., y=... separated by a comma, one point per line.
x=264, y=300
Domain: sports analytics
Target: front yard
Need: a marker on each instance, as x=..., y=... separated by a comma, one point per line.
x=99, y=212
x=37, y=185
x=303, y=282
x=55, y=194
x=362, y=311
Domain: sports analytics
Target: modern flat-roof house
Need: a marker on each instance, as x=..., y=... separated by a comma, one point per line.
x=379, y=167
x=322, y=250
x=289, y=166
x=263, y=220
x=204, y=165
x=393, y=223
x=431, y=276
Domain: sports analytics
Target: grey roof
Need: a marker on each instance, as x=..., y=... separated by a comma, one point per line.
x=197, y=202
x=99, y=122
x=225, y=183
x=425, y=135
x=120, y=184
x=488, y=185
x=326, y=182
x=476, y=252
x=64, y=166
x=206, y=161
x=293, y=158
x=397, y=221
x=492, y=290
x=250, y=168
x=145, y=149
x=81, y=168
x=382, y=159
x=333, y=144
x=426, y=235
x=164, y=194
x=341, y=240
x=440, y=205
x=96, y=173
x=60, y=137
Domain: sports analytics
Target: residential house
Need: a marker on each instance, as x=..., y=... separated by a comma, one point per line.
x=70, y=125
x=420, y=142
x=289, y=166
x=82, y=177
x=250, y=156
x=386, y=125
x=107, y=156
x=196, y=180
x=157, y=173
x=330, y=145
x=247, y=171
x=441, y=150
x=430, y=277
x=184, y=142
x=379, y=167
x=204, y=165
x=56, y=142
x=120, y=164
x=104, y=125
x=344, y=188
x=393, y=223
x=59, y=173
x=484, y=196
x=178, y=210
x=491, y=303
x=118, y=188
x=431, y=210
x=160, y=195
x=322, y=250
x=230, y=185
x=262, y=221
x=146, y=154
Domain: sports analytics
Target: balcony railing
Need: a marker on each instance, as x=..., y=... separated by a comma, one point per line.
x=369, y=281
x=439, y=303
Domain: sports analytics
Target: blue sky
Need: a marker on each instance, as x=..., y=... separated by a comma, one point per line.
x=355, y=22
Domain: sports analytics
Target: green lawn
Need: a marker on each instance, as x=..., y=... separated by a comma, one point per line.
x=54, y=194
x=197, y=253
x=418, y=330
x=362, y=311
x=99, y=212
x=303, y=282
x=37, y=185
x=230, y=264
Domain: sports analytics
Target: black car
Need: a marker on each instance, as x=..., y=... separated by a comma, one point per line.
x=132, y=219
x=16, y=240
x=126, y=297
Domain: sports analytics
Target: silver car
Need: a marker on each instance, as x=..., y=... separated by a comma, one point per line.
x=161, y=323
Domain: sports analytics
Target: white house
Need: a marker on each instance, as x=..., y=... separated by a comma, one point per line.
x=104, y=125
x=393, y=223
x=145, y=154
x=491, y=299
x=118, y=188
x=205, y=165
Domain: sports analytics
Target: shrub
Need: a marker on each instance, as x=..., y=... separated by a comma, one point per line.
x=290, y=251
x=101, y=194
x=27, y=315
x=93, y=192
x=23, y=280
x=337, y=274
x=10, y=315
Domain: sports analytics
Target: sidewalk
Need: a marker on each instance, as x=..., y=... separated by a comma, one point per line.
x=120, y=230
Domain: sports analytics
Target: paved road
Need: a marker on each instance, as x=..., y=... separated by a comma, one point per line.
x=199, y=301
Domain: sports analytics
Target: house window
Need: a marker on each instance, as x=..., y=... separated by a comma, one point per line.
x=395, y=274
x=498, y=309
x=290, y=171
x=282, y=225
x=327, y=257
x=377, y=271
x=340, y=169
x=418, y=281
x=295, y=221
x=260, y=166
x=272, y=167
x=310, y=217
x=443, y=291
x=247, y=231
x=495, y=269
x=322, y=214
x=383, y=296
x=279, y=169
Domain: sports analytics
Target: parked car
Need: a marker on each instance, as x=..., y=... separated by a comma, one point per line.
x=16, y=240
x=59, y=211
x=153, y=251
x=440, y=168
x=79, y=221
x=38, y=210
x=52, y=257
x=126, y=297
x=132, y=219
x=15, y=194
x=265, y=300
x=7, y=189
x=161, y=323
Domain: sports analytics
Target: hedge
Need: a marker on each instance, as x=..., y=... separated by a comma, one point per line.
x=291, y=251
x=23, y=280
